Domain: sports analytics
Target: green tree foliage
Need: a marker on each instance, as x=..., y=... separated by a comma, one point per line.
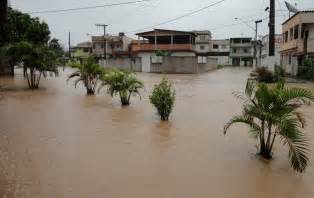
x=163, y=97
x=272, y=111
x=22, y=27
x=36, y=60
x=56, y=47
x=122, y=83
x=89, y=72
x=264, y=75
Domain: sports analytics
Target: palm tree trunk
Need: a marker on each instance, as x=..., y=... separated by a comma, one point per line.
x=264, y=150
x=124, y=98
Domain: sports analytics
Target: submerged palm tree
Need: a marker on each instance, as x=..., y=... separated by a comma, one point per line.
x=121, y=83
x=88, y=72
x=270, y=112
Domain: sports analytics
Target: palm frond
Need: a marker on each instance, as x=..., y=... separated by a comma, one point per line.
x=297, y=142
x=242, y=119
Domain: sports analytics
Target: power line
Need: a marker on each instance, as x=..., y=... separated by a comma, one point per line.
x=88, y=7
x=179, y=17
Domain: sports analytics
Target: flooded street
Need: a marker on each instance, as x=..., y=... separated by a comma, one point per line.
x=59, y=143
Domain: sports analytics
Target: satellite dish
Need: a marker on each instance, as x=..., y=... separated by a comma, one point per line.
x=291, y=8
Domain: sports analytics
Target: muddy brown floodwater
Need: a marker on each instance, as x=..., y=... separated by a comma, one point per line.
x=57, y=142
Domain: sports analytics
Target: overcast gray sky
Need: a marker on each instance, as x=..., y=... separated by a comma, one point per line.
x=218, y=19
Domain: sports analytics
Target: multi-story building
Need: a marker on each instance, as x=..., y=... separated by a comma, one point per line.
x=173, y=51
x=115, y=45
x=221, y=50
x=298, y=40
x=265, y=59
x=81, y=50
x=203, y=42
x=241, y=52
x=172, y=42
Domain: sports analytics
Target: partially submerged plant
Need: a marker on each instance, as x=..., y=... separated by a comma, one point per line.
x=37, y=61
x=88, y=72
x=122, y=83
x=163, y=98
x=272, y=111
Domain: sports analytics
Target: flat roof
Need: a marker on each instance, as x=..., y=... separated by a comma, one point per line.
x=165, y=30
x=304, y=11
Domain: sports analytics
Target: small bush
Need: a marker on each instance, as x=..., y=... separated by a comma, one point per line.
x=163, y=97
x=161, y=53
x=264, y=75
x=220, y=66
x=279, y=73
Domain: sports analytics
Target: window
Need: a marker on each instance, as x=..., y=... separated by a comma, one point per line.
x=202, y=47
x=85, y=50
x=286, y=36
x=202, y=37
x=223, y=46
x=94, y=45
x=245, y=50
x=289, y=59
x=302, y=32
x=201, y=59
x=291, y=33
x=296, y=32
x=215, y=46
x=234, y=50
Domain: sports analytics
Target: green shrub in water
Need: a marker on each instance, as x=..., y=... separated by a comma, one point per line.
x=163, y=97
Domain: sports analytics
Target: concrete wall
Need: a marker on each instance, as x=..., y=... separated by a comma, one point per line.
x=270, y=62
x=184, y=65
x=133, y=64
x=221, y=60
x=179, y=54
x=206, y=47
x=310, y=40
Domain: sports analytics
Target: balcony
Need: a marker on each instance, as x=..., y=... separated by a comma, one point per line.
x=164, y=47
x=240, y=44
x=241, y=54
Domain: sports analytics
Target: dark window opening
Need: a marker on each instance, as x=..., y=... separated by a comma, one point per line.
x=291, y=33
x=286, y=36
x=296, y=32
x=215, y=46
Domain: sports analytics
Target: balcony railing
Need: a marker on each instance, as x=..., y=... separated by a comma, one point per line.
x=240, y=44
x=241, y=54
x=163, y=47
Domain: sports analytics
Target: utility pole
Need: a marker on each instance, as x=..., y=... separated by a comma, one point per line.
x=272, y=28
x=3, y=13
x=105, y=41
x=69, y=45
x=255, y=42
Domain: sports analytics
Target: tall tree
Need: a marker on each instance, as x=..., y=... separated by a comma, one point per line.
x=3, y=13
x=22, y=27
x=56, y=47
